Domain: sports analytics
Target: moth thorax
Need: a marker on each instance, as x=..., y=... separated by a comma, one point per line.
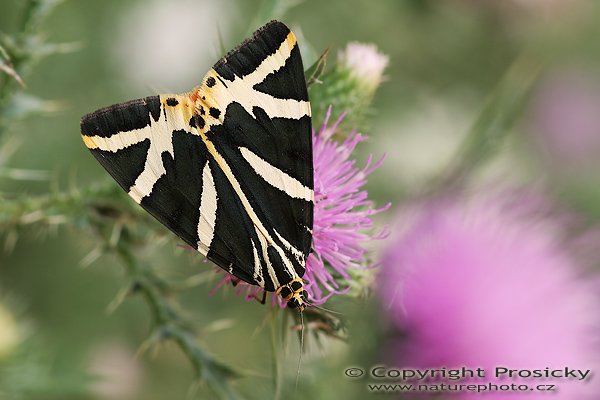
x=293, y=292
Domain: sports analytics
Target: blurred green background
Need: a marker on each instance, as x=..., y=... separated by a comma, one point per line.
x=446, y=57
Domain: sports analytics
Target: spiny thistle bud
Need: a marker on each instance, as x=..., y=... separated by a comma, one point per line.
x=351, y=83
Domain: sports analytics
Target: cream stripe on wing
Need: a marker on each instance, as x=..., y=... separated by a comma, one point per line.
x=273, y=62
x=118, y=141
x=276, y=177
x=153, y=170
x=208, y=211
x=265, y=239
x=297, y=253
x=264, y=245
x=160, y=133
x=241, y=92
x=258, y=275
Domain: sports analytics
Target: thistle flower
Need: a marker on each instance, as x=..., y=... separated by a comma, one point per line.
x=342, y=218
x=491, y=283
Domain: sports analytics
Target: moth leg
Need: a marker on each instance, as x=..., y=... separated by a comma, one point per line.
x=264, y=298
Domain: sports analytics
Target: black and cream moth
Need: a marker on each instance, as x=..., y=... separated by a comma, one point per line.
x=227, y=166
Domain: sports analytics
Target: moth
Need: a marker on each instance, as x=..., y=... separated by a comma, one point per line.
x=227, y=166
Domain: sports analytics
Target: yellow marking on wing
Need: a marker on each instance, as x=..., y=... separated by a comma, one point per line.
x=89, y=142
x=180, y=114
x=291, y=39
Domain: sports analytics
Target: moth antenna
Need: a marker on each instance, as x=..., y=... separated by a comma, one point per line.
x=301, y=347
x=325, y=309
x=222, y=47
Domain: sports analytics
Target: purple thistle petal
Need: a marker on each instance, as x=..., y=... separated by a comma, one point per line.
x=487, y=282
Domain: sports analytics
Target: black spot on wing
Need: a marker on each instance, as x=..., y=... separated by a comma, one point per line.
x=288, y=82
x=172, y=102
x=210, y=82
x=121, y=117
x=214, y=112
x=247, y=56
x=199, y=121
x=175, y=198
x=124, y=165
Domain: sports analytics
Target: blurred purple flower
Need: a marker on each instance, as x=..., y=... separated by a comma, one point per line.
x=342, y=218
x=487, y=283
x=565, y=118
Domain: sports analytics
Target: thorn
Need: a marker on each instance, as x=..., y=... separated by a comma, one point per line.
x=91, y=257
x=8, y=70
x=115, y=235
x=118, y=300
